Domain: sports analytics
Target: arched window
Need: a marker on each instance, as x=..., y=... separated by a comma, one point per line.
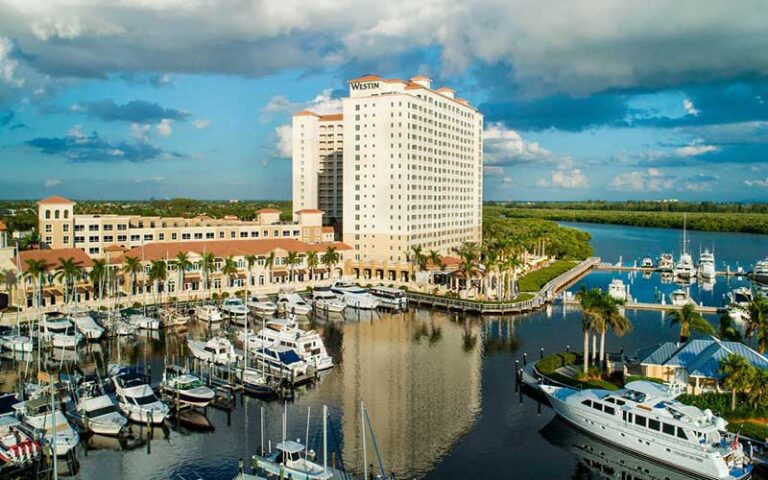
x=48, y=214
x=66, y=213
x=56, y=214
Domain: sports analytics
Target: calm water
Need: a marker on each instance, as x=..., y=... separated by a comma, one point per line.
x=439, y=387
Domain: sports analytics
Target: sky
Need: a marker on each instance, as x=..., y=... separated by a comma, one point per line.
x=134, y=99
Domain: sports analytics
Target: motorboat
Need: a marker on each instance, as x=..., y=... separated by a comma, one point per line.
x=760, y=272
x=308, y=344
x=19, y=450
x=234, y=307
x=354, y=296
x=136, y=399
x=257, y=382
x=217, y=350
x=86, y=325
x=326, y=301
x=208, y=313
x=646, y=263
x=684, y=268
x=173, y=317
x=707, y=269
x=666, y=263
x=97, y=412
x=293, y=303
x=178, y=384
x=261, y=305
x=60, y=333
x=13, y=341
x=738, y=301
x=40, y=415
x=281, y=361
x=618, y=291
x=290, y=460
x=390, y=297
x=681, y=297
x=645, y=418
x=143, y=322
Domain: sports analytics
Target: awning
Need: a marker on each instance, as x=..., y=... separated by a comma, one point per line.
x=280, y=273
x=242, y=276
x=320, y=270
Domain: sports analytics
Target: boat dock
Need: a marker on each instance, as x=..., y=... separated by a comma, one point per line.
x=657, y=307
x=545, y=295
x=634, y=268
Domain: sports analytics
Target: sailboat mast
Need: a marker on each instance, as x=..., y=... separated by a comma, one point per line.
x=362, y=432
x=325, y=438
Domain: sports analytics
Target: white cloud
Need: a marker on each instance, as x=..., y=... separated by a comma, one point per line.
x=322, y=104
x=164, y=127
x=8, y=65
x=760, y=182
x=650, y=180
x=52, y=182
x=504, y=146
x=566, y=176
x=202, y=123
x=690, y=108
x=141, y=131
x=695, y=150
x=284, y=140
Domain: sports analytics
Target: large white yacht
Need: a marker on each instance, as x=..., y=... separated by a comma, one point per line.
x=707, y=270
x=738, y=301
x=136, y=398
x=261, y=305
x=281, y=331
x=293, y=303
x=217, y=350
x=208, y=313
x=760, y=271
x=40, y=415
x=684, y=268
x=324, y=300
x=60, y=332
x=98, y=412
x=645, y=418
x=618, y=291
x=235, y=307
x=85, y=324
x=354, y=296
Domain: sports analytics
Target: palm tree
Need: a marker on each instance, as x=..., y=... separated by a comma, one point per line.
x=726, y=329
x=737, y=375
x=690, y=321
x=69, y=271
x=417, y=259
x=758, y=388
x=132, y=267
x=491, y=262
x=468, y=269
x=250, y=261
x=206, y=264
x=35, y=270
x=229, y=269
x=312, y=262
x=330, y=258
x=512, y=263
x=591, y=316
x=182, y=263
x=291, y=259
x=97, y=275
x=269, y=264
x=158, y=272
x=613, y=319
x=757, y=321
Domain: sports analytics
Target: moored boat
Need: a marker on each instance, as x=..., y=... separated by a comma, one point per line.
x=262, y=305
x=390, y=297
x=188, y=389
x=208, y=313
x=217, y=350
x=136, y=399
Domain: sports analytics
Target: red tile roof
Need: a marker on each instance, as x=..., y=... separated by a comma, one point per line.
x=305, y=113
x=365, y=78
x=52, y=257
x=114, y=248
x=267, y=210
x=328, y=230
x=55, y=199
x=2, y=226
x=421, y=77
x=332, y=117
x=309, y=210
x=445, y=89
x=226, y=248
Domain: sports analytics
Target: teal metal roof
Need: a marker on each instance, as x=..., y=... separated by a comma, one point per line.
x=658, y=354
x=701, y=357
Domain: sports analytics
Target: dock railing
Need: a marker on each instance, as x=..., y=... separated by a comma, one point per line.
x=545, y=295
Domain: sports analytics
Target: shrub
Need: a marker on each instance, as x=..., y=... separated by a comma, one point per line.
x=550, y=363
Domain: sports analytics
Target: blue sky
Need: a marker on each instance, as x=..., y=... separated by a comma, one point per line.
x=584, y=100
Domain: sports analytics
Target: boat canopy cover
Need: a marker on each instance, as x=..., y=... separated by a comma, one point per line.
x=288, y=356
x=289, y=446
x=651, y=389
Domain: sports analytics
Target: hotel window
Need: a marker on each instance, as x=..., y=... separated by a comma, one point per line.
x=198, y=236
x=93, y=228
x=48, y=214
x=174, y=236
x=243, y=234
x=93, y=239
x=255, y=234
x=185, y=236
x=209, y=235
x=148, y=237
x=66, y=240
x=48, y=228
x=108, y=238
x=107, y=228
x=93, y=250
x=161, y=236
x=122, y=227
x=232, y=234
x=121, y=238
x=77, y=240
x=221, y=234
x=65, y=228
x=47, y=239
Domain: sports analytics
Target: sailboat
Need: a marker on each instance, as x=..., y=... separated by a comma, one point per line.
x=684, y=269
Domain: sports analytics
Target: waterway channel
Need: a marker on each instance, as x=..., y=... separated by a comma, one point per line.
x=439, y=387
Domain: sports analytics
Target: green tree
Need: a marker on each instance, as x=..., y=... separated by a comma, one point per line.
x=250, y=261
x=269, y=264
x=97, y=275
x=158, y=272
x=35, y=270
x=313, y=260
x=757, y=321
x=613, y=319
x=726, y=329
x=229, y=269
x=132, y=267
x=591, y=316
x=291, y=259
x=758, y=388
x=183, y=264
x=330, y=258
x=690, y=321
x=69, y=271
x=207, y=264
x=737, y=375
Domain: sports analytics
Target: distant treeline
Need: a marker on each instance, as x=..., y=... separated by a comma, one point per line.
x=697, y=220
x=642, y=206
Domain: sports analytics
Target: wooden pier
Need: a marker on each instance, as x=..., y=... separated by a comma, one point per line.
x=631, y=268
x=657, y=307
x=544, y=296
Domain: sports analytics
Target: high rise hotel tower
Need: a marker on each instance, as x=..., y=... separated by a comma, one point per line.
x=412, y=168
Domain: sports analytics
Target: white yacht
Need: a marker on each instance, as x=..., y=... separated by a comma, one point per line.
x=281, y=361
x=217, y=350
x=647, y=263
x=172, y=317
x=324, y=300
x=681, y=297
x=18, y=447
x=143, y=322
x=39, y=414
x=136, y=398
x=645, y=418
x=187, y=388
x=98, y=412
x=618, y=291
x=290, y=460
x=707, y=269
x=293, y=303
x=235, y=307
x=262, y=305
x=284, y=332
x=15, y=342
x=208, y=313
x=60, y=332
x=666, y=262
x=684, y=267
x=354, y=296
x=738, y=301
x=390, y=297
x=760, y=271
x=86, y=325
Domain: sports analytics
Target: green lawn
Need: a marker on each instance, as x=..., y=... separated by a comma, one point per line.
x=533, y=281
